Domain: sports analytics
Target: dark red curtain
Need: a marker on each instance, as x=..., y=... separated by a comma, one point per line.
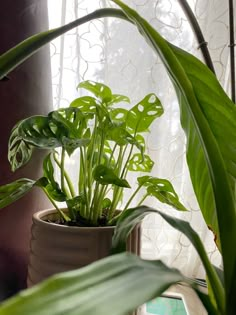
x=27, y=92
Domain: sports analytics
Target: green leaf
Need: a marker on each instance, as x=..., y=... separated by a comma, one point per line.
x=141, y=116
x=41, y=132
x=72, y=120
x=163, y=190
x=105, y=175
x=49, y=183
x=16, y=55
x=117, y=98
x=87, y=104
x=19, y=152
x=119, y=115
x=100, y=90
x=106, y=203
x=74, y=205
x=53, y=191
x=120, y=135
x=71, y=145
x=140, y=163
x=108, y=286
x=132, y=217
x=208, y=118
x=211, y=310
x=9, y=193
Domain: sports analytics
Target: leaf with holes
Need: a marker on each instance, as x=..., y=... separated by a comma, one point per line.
x=117, y=98
x=72, y=120
x=100, y=90
x=140, y=163
x=161, y=189
x=19, y=151
x=141, y=116
x=36, y=131
x=87, y=104
x=121, y=136
x=70, y=145
x=105, y=175
x=118, y=115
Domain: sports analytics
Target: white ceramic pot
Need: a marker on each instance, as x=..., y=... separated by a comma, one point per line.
x=56, y=248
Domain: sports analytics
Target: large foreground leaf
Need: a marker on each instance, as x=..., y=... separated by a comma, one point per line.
x=208, y=118
x=132, y=217
x=115, y=285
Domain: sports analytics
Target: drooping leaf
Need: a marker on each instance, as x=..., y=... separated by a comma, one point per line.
x=132, y=217
x=163, y=190
x=100, y=90
x=140, y=163
x=115, y=285
x=208, y=118
x=105, y=175
x=140, y=117
x=9, y=193
x=18, y=54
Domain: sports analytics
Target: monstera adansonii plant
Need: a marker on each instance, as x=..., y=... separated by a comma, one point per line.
x=118, y=284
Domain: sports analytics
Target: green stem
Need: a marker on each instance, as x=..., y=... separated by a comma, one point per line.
x=90, y=158
x=61, y=213
x=142, y=200
x=62, y=169
x=132, y=197
x=112, y=154
x=127, y=161
x=116, y=198
x=67, y=178
x=93, y=209
x=84, y=184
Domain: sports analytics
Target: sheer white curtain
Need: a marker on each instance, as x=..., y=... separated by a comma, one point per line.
x=113, y=52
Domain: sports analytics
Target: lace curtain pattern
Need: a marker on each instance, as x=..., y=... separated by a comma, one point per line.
x=112, y=51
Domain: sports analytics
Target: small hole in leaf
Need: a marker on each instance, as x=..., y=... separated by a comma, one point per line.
x=119, y=116
x=152, y=112
x=140, y=107
x=152, y=99
x=134, y=167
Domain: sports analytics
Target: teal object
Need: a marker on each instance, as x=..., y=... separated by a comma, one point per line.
x=166, y=306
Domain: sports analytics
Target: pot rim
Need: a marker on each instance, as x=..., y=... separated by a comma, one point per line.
x=39, y=215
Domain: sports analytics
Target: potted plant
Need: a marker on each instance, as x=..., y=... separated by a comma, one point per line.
x=110, y=143
x=208, y=118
